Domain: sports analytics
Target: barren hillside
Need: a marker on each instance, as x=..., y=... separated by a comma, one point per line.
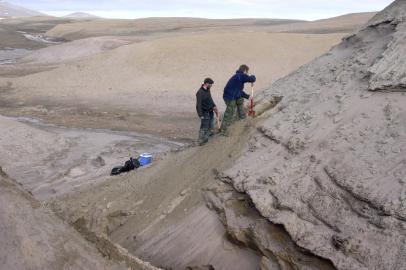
x=328, y=163
x=315, y=182
x=342, y=24
x=10, y=10
x=156, y=26
x=153, y=78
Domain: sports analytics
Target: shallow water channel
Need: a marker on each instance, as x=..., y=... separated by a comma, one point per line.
x=10, y=55
x=83, y=156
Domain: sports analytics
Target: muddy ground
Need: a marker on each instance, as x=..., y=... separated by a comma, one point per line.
x=65, y=129
x=131, y=208
x=176, y=126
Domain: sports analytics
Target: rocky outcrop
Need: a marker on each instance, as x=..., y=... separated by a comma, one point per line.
x=328, y=164
x=247, y=228
x=389, y=70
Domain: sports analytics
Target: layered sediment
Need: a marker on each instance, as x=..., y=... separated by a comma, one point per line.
x=328, y=163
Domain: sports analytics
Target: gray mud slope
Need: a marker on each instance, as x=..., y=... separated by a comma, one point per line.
x=329, y=162
x=32, y=237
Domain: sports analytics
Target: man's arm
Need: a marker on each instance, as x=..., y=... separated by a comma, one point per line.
x=248, y=78
x=199, y=100
x=245, y=95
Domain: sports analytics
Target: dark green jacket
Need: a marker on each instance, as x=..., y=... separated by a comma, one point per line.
x=204, y=101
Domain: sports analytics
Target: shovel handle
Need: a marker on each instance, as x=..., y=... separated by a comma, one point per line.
x=252, y=112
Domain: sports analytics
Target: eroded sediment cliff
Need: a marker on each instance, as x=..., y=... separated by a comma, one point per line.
x=328, y=163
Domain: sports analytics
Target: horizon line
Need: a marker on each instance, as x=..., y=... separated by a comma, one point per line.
x=129, y=16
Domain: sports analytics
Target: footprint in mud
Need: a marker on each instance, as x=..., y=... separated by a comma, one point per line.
x=76, y=172
x=98, y=162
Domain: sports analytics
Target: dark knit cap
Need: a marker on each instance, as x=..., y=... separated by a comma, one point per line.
x=208, y=81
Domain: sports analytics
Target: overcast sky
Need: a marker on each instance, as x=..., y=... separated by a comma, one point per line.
x=293, y=9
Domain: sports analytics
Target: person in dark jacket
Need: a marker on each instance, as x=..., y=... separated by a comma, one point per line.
x=234, y=96
x=205, y=108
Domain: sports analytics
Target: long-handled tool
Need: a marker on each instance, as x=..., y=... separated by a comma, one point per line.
x=218, y=121
x=251, y=111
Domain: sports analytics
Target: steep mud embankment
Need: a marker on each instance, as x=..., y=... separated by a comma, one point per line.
x=32, y=237
x=328, y=164
x=137, y=208
x=315, y=183
x=161, y=214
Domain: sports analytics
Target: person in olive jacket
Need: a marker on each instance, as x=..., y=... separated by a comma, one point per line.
x=206, y=108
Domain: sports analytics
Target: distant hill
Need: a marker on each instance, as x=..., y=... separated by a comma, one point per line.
x=81, y=15
x=8, y=10
x=342, y=24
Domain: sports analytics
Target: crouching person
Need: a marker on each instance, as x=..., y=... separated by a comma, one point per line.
x=206, y=108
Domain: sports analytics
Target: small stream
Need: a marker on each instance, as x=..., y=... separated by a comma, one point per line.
x=10, y=55
x=83, y=156
x=38, y=37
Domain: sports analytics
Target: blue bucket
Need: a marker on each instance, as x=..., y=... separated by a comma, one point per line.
x=145, y=159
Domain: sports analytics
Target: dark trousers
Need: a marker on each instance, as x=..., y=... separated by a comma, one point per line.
x=206, y=125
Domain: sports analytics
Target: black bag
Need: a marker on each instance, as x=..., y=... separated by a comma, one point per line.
x=129, y=165
x=116, y=170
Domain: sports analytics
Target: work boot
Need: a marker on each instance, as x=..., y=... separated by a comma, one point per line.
x=203, y=138
x=203, y=141
x=225, y=133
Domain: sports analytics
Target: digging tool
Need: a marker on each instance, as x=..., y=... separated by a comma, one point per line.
x=251, y=111
x=218, y=121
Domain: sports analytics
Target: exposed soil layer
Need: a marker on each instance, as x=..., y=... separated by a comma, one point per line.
x=328, y=162
x=41, y=241
x=211, y=207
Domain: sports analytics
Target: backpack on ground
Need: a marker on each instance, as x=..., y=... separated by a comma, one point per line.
x=129, y=165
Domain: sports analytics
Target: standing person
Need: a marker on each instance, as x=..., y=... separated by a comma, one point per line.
x=234, y=96
x=205, y=108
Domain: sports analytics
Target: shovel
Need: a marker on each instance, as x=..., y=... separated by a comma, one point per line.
x=251, y=111
x=218, y=121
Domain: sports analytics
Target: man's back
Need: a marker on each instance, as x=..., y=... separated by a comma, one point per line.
x=235, y=86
